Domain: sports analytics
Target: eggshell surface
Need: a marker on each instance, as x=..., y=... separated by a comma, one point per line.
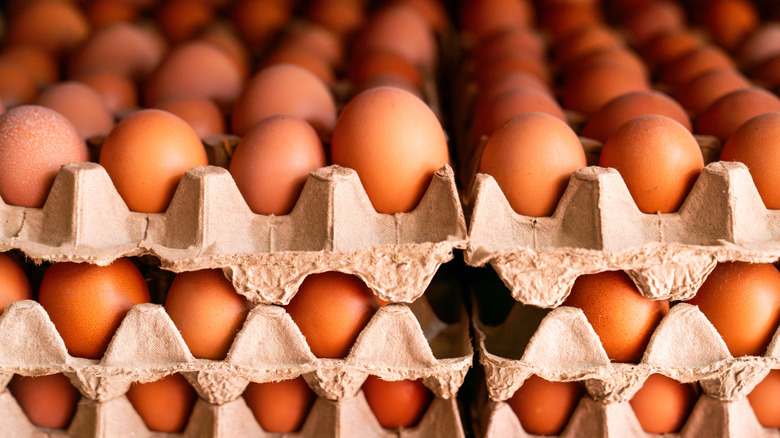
x=397, y=404
x=544, y=407
x=48, y=401
x=14, y=285
x=164, y=405
x=280, y=407
x=663, y=404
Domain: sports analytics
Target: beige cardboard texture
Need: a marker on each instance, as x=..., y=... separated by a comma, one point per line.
x=597, y=227
x=564, y=347
x=347, y=418
x=209, y=225
x=400, y=342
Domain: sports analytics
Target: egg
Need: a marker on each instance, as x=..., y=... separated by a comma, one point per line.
x=80, y=104
x=331, y=309
x=208, y=312
x=48, y=401
x=490, y=115
x=655, y=18
x=485, y=17
x=308, y=60
x=662, y=404
x=272, y=162
x=102, y=13
x=511, y=40
x=53, y=25
x=622, y=318
x=17, y=85
x=224, y=35
x=39, y=63
x=196, y=69
x=566, y=18
x=202, y=114
x=118, y=92
x=34, y=143
x=396, y=404
x=146, y=154
x=754, y=144
x=666, y=47
x=659, y=160
x=343, y=17
x=760, y=46
x=285, y=89
x=311, y=37
x=544, y=407
x=694, y=63
x=14, y=285
x=165, y=404
x=701, y=91
x=726, y=114
x=742, y=301
x=365, y=67
x=584, y=41
x=532, y=158
x=399, y=29
x=258, y=21
x=765, y=402
x=616, y=112
x=181, y=20
x=87, y=302
x=595, y=86
x=280, y=407
x=394, y=142
x=490, y=71
x=729, y=21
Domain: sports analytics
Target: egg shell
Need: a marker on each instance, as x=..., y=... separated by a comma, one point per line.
x=663, y=404
x=544, y=407
x=207, y=311
x=394, y=142
x=34, y=142
x=86, y=302
x=48, y=401
x=666, y=47
x=596, y=86
x=15, y=285
x=763, y=399
x=165, y=404
x=397, y=404
x=56, y=26
x=701, y=91
x=280, y=407
x=80, y=104
x=730, y=111
x=202, y=114
x=146, y=155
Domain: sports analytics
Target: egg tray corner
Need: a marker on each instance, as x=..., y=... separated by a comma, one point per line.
x=333, y=227
x=598, y=227
x=561, y=345
x=710, y=418
x=345, y=418
x=399, y=342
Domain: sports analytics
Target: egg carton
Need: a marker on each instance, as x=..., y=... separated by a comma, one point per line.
x=598, y=227
x=710, y=418
x=399, y=342
x=333, y=227
x=347, y=418
x=561, y=345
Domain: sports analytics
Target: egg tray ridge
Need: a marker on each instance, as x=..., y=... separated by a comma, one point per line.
x=333, y=227
x=347, y=418
x=709, y=418
x=598, y=227
x=399, y=342
x=561, y=345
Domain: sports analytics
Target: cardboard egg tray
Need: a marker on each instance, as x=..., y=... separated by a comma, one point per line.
x=597, y=227
x=333, y=227
x=347, y=418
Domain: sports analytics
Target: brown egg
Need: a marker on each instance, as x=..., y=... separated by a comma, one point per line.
x=258, y=21
x=432, y=10
x=123, y=48
x=17, y=85
x=34, y=143
x=755, y=144
x=768, y=73
x=203, y=115
x=495, y=113
x=730, y=21
x=273, y=160
x=280, y=407
x=40, y=64
x=53, y=25
x=181, y=20
x=544, y=407
x=48, y=401
x=207, y=311
x=616, y=112
x=512, y=81
x=146, y=154
x=118, y=92
x=729, y=112
x=14, y=285
x=594, y=87
x=394, y=142
x=566, y=18
x=397, y=404
x=224, y=35
x=655, y=18
x=164, y=405
x=659, y=160
x=308, y=60
x=623, y=319
x=371, y=64
x=285, y=89
x=764, y=400
x=87, y=302
x=512, y=40
x=316, y=39
x=399, y=29
x=667, y=47
x=584, y=41
x=694, y=63
x=102, y=13
x=760, y=46
x=196, y=69
x=532, y=158
x=497, y=67
x=662, y=405
x=485, y=17
x=80, y=104
x=742, y=301
x=616, y=56
x=389, y=80
x=701, y=91
x=342, y=17
x=331, y=309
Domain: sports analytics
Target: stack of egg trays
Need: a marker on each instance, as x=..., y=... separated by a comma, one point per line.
x=598, y=227
x=333, y=227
